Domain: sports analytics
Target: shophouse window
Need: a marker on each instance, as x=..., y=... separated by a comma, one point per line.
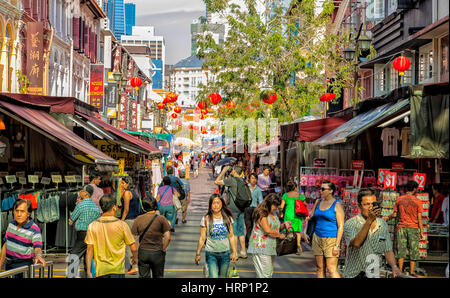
x=444, y=58
x=380, y=80
x=392, y=6
x=375, y=10
x=426, y=64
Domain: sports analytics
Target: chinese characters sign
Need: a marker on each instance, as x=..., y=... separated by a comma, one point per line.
x=134, y=117
x=123, y=106
x=96, y=88
x=35, y=49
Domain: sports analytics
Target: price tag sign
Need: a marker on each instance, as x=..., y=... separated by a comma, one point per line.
x=46, y=181
x=390, y=180
x=20, y=174
x=420, y=178
x=78, y=178
x=56, y=179
x=23, y=180
x=11, y=179
x=398, y=166
x=381, y=175
x=357, y=165
x=70, y=179
x=33, y=179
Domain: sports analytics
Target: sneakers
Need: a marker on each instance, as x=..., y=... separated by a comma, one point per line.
x=172, y=230
x=184, y=221
x=133, y=271
x=242, y=255
x=299, y=251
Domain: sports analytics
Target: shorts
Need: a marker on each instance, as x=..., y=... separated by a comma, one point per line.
x=184, y=205
x=408, y=240
x=238, y=224
x=323, y=246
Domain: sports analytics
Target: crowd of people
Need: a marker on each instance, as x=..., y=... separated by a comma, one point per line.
x=245, y=217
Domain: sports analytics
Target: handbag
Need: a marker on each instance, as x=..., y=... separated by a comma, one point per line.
x=176, y=202
x=232, y=272
x=300, y=209
x=288, y=245
x=311, y=225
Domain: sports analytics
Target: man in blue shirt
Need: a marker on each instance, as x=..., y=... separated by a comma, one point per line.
x=85, y=212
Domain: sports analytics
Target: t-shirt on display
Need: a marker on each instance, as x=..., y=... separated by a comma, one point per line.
x=390, y=138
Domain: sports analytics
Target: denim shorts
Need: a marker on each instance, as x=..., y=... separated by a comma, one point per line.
x=218, y=263
x=239, y=224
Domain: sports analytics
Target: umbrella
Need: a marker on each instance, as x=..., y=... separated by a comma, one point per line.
x=226, y=161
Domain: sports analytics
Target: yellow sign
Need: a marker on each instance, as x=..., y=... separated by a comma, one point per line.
x=111, y=113
x=115, y=151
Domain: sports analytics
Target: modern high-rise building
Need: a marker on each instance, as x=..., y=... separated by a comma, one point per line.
x=116, y=15
x=201, y=26
x=130, y=17
x=145, y=35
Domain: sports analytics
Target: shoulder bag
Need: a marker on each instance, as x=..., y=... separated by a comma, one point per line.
x=176, y=201
x=146, y=229
x=312, y=224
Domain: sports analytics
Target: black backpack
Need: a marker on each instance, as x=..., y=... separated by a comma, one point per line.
x=180, y=189
x=243, y=195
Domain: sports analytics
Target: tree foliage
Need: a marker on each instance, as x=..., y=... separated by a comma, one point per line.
x=289, y=50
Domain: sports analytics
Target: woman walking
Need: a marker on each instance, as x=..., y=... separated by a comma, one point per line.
x=165, y=201
x=288, y=200
x=257, y=199
x=154, y=238
x=216, y=228
x=328, y=232
x=263, y=242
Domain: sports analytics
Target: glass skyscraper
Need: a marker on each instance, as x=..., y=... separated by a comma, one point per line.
x=130, y=17
x=116, y=16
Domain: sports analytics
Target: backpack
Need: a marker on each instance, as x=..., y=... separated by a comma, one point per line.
x=243, y=195
x=180, y=189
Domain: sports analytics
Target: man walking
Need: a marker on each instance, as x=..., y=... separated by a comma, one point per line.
x=85, y=212
x=264, y=181
x=238, y=215
x=367, y=237
x=185, y=202
x=106, y=240
x=409, y=210
x=95, y=179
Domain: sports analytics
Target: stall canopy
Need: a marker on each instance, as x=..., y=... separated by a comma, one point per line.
x=360, y=123
x=312, y=130
x=133, y=140
x=45, y=124
x=56, y=104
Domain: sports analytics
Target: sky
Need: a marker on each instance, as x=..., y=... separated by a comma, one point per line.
x=171, y=19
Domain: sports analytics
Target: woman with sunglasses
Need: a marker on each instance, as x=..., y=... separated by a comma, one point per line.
x=328, y=232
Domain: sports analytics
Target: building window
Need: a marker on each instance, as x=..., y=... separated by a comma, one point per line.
x=426, y=63
x=380, y=79
x=392, y=6
x=444, y=59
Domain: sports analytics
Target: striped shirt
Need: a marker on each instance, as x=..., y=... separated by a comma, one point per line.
x=377, y=243
x=85, y=212
x=21, y=242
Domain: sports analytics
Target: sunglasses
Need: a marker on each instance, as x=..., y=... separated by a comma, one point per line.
x=323, y=188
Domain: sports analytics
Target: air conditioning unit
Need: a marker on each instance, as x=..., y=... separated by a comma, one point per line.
x=104, y=24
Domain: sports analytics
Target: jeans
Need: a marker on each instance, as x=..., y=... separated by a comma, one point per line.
x=151, y=260
x=9, y=265
x=168, y=211
x=80, y=247
x=218, y=263
x=129, y=255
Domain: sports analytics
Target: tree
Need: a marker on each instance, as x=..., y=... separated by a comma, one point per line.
x=287, y=50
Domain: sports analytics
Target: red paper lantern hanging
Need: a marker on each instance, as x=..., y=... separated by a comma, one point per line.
x=161, y=106
x=173, y=97
x=177, y=109
x=202, y=117
x=191, y=126
x=327, y=97
x=136, y=82
x=269, y=97
x=166, y=100
x=401, y=64
x=215, y=98
x=204, y=112
x=202, y=105
x=174, y=115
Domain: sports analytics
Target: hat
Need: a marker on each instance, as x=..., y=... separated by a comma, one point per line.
x=89, y=189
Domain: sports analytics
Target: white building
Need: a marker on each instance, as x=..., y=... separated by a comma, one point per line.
x=145, y=35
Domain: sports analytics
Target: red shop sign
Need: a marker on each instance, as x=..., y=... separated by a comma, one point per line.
x=358, y=165
x=320, y=162
x=381, y=175
x=398, y=166
x=390, y=180
x=420, y=178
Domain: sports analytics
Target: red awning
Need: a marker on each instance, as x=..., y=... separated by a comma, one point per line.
x=45, y=124
x=122, y=134
x=55, y=103
x=312, y=130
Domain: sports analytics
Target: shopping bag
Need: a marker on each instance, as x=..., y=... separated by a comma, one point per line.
x=232, y=272
x=176, y=202
x=288, y=245
x=300, y=209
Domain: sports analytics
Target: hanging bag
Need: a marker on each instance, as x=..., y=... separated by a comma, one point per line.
x=232, y=272
x=300, y=208
x=312, y=224
x=176, y=202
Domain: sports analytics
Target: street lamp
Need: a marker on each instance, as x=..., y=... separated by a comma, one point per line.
x=364, y=42
x=349, y=54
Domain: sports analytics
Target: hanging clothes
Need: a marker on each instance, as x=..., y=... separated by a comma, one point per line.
x=390, y=138
x=48, y=209
x=405, y=136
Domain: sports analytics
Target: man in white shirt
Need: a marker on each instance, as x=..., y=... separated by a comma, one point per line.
x=98, y=193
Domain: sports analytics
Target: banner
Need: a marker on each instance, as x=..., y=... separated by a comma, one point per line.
x=134, y=115
x=117, y=59
x=130, y=74
x=96, y=85
x=111, y=95
x=35, y=60
x=123, y=110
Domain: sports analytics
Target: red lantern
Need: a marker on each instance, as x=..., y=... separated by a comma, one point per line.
x=161, y=106
x=231, y=105
x=327, y=97
x=166, y=100
x=173, y=97
x=215, y=98
x=198, y=111
x=204, y=132
x=191, y=126
x=204, y=112
x=401, y=64
x=202, y=117
x=177, y=109
x=174, y=115
x=136, y=82
x=202, y=128
x=202, y=105
x=269, y=97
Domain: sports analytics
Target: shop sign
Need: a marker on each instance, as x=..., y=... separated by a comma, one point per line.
x=381, y=175
x=398, y=166
x=390, y=180
x=35, y=60
x=134, y=116
x=123, y=110
x=116, y=152
x=420, y=178
x=357, y=165
x=33, y=179
x=117, y=59
x=70, y=179
x=129, y=88
x=111, y=113
x=96, y=85
x=320, y=162
x=111, y=95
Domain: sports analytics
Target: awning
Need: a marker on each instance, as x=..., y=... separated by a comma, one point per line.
x=55, y=103
x=312, y=130
x=45, y=124
x=137, y=142
x=358, y=124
